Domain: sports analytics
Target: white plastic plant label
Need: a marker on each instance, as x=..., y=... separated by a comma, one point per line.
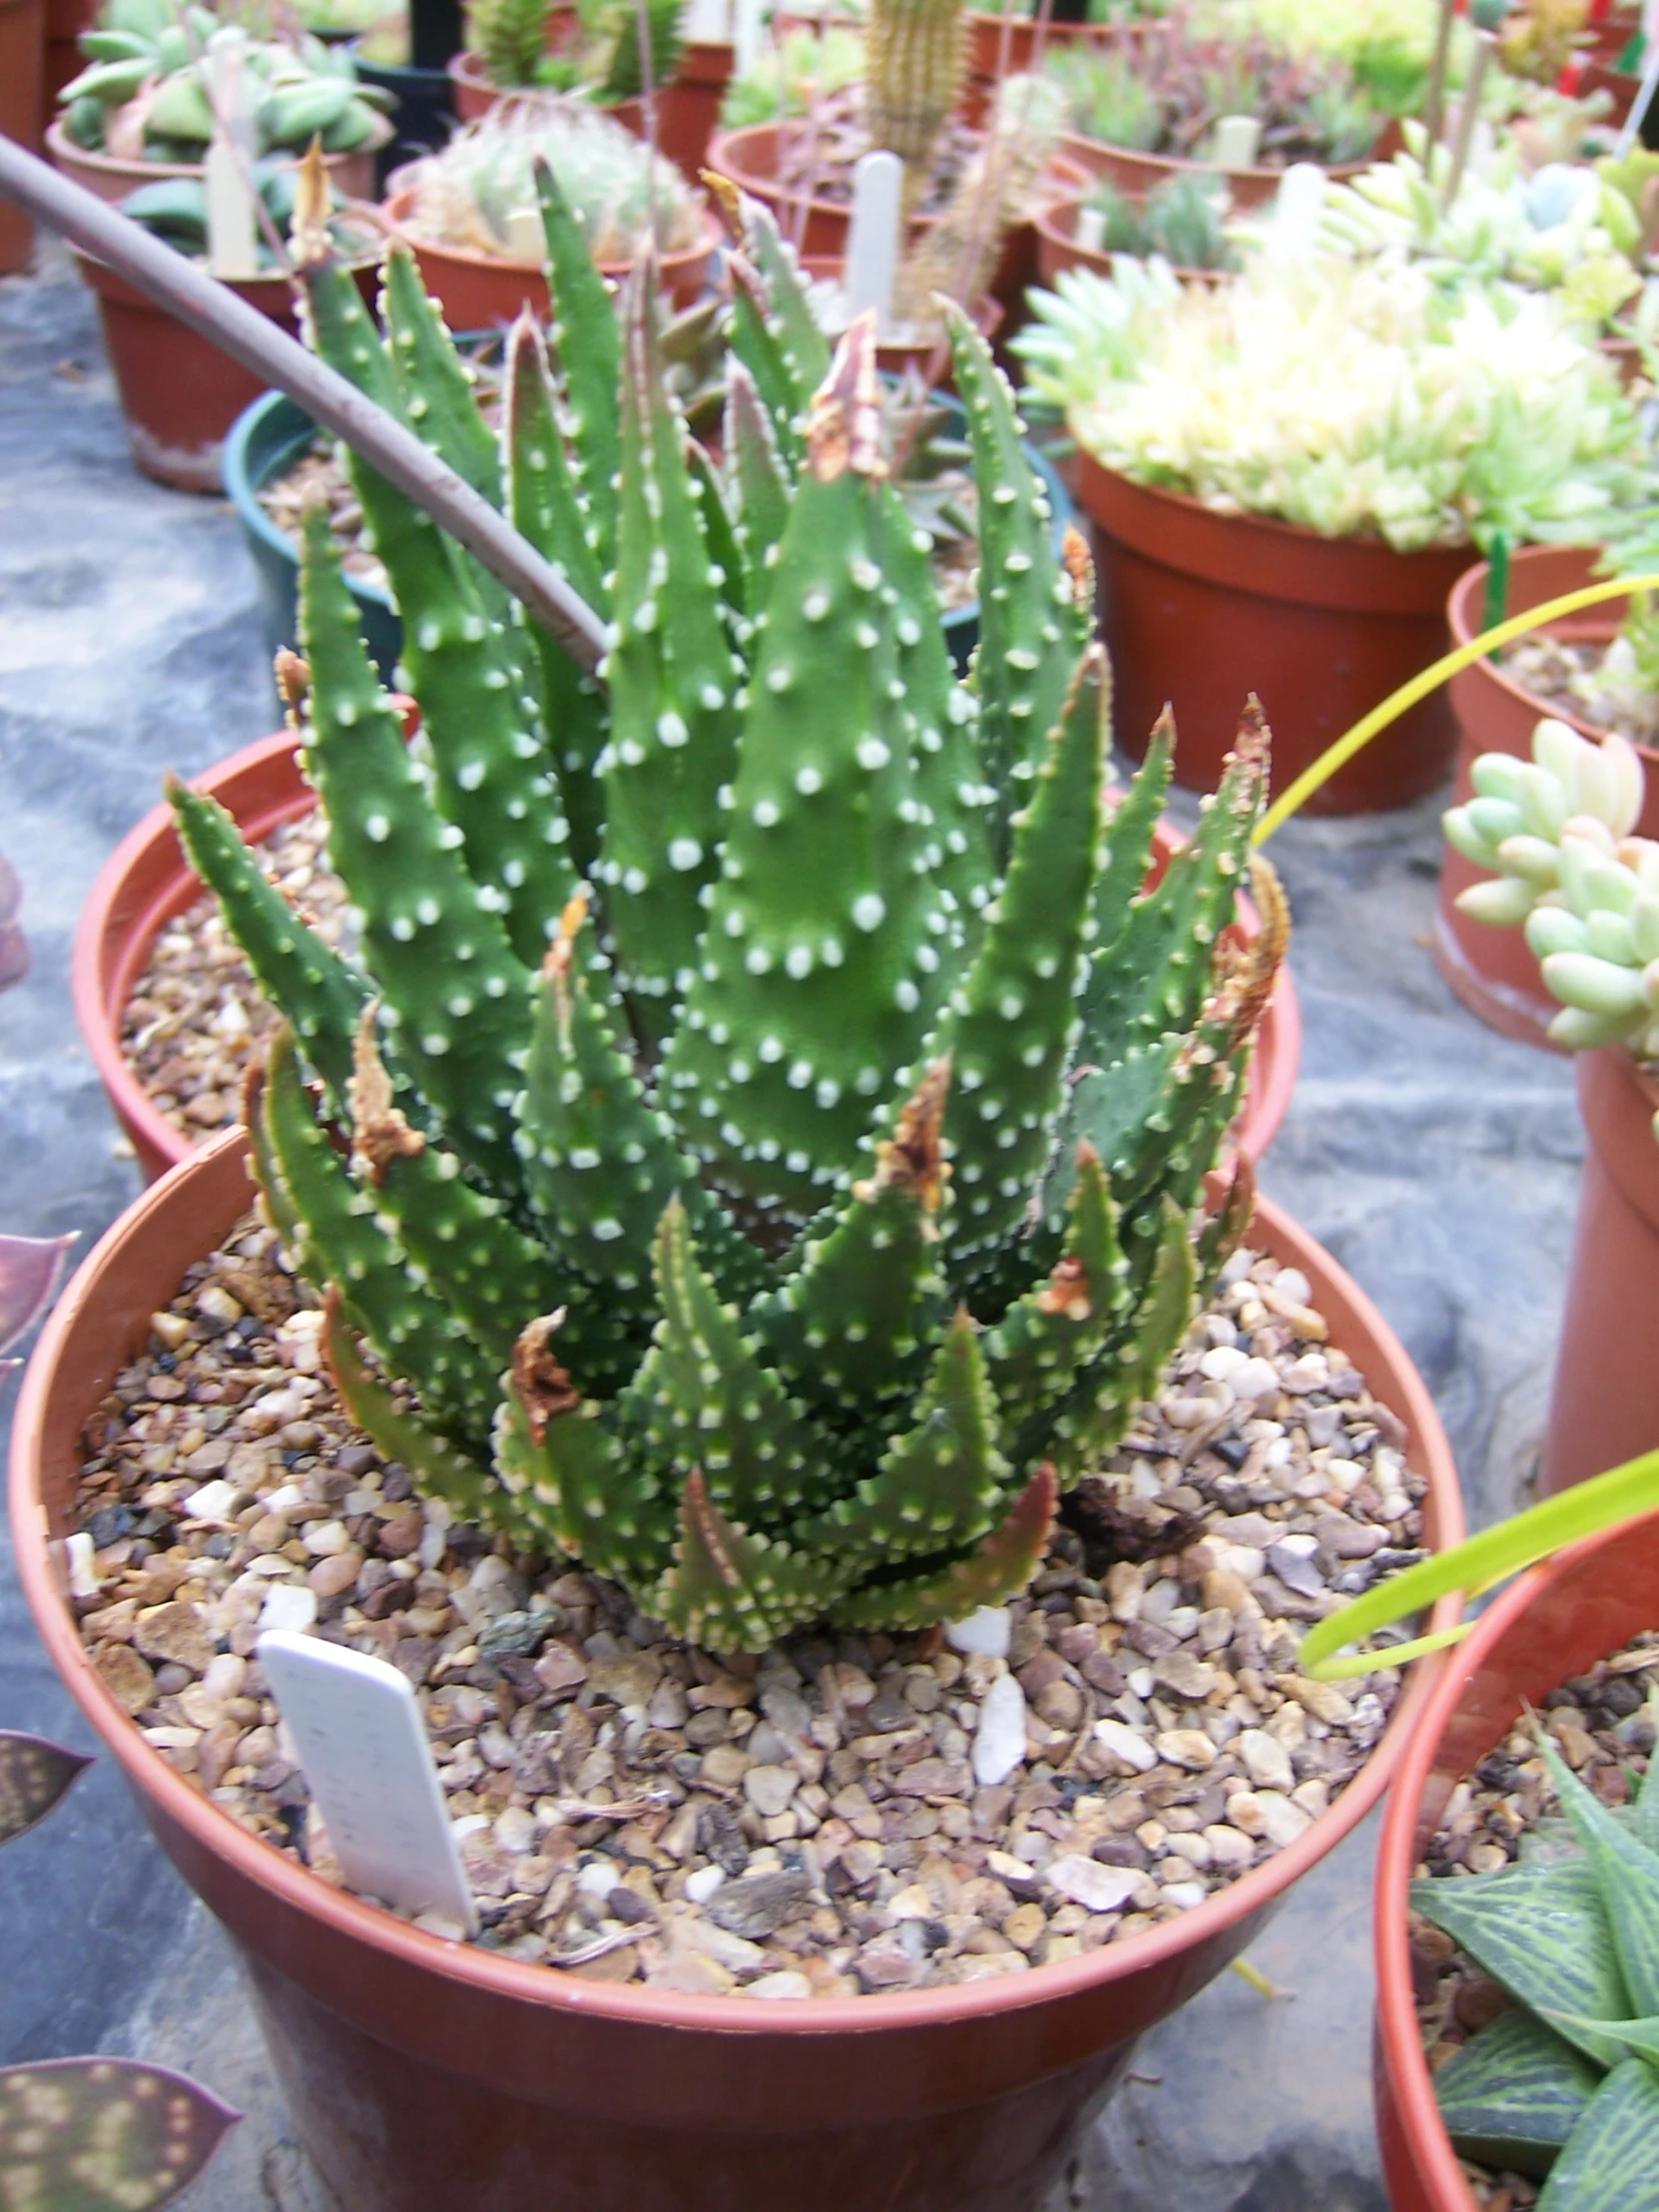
x=873, y=239
x=359, y=1730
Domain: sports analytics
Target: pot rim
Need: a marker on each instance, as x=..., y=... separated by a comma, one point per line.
x=216, y=1833
x=1409, y=2081
x=1052, y=221
x=65, y=154
x=244, y=493
x=1461, y=608
x=1091, y=152
x=1269, y=1084
x=394, y=215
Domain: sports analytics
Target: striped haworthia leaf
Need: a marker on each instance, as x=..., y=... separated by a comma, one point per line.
x=1608, y=2164
x=1514, y=2095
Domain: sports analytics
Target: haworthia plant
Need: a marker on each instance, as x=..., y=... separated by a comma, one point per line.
x=1567, y=2084
x=771, y=1118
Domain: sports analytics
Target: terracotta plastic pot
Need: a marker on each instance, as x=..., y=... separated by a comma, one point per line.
x=1201, y=608
x=178, y=392
x=689, y=108
x=147, y=880
x=109, y=179
x=1555, y=1622
x=1604, y=1402
x=424, y=2075
x=1249, y=187
x=65, y=21
x=984, y=69
x=266, y=439
x=478, y=291
x=1492, y=971
x=474, y=93
x=22, y=66
x=1058, y=249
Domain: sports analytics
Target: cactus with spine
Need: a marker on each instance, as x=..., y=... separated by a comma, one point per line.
x=1556, y=833
x=763, y=1149
x=914, y=71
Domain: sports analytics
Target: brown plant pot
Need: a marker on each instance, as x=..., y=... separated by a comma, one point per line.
x=1248, y=188
x=896, y=358
x=352, y=175
x=1492, y=970
x=689, y=108
x=474, y=93
x=65, y=21
x=1604, y=1401
x=22, y=66
x=1058, y=248
x=983, y=70
x=478, y=291
x=178, y=392
x=426, y=2076
x=147, y=881
x=1620, y=84
x=1201, y=608
x=1554, y=1623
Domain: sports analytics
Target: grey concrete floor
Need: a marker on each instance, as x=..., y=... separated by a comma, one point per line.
x=1437, y=1160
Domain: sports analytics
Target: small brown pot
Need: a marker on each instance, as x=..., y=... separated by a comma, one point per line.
x=984, y=69
x=424, y=2075
x=475, y=94
x=1248, y=188
x=147, y=881
x=352, y=175
x=478, y=291
x=22, y=66
x=1201, y=608
x=178, y=392
x=1492, y=970
x=65, y=21
x=1058, y=248
x=689, y=108
x=1554, y=1623
x=1604, y=1402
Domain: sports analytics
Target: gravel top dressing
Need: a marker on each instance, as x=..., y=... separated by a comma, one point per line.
x=1598, y=682
x=1603, y=1729
x=849, y=1813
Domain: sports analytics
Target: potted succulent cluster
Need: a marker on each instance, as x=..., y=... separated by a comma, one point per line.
x=776, y=1137
x=1183, y=219
x=141, y=110
x=1235, y=474
x=526, y=46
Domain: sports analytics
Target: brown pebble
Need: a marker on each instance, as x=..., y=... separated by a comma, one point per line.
x=173, y=1631
x=125, y=1675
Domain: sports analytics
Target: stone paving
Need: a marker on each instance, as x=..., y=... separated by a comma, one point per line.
x=1437, y=1161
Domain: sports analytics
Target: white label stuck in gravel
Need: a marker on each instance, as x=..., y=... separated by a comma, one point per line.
x=363, y=1742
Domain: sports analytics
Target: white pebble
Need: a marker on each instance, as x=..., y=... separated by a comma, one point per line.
x=1087, y=1883
x=1222, y=1361
x=1265, y=1760
x=701, y=1885
x=1228, y=1847
x=1256, y=1378
x=1000, y=1739
x=598, y=1877
x=1184, y=1893
x=77, y=1558
x=214, y=1501
x=325, y=1537
x=224, y=1676
x=985, y=1631
x=1293, y=1285
x=288, y=1606
x=1127, y=1744
x=1282, y=1821
x=785, y=1984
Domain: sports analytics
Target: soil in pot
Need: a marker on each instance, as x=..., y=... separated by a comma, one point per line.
x=850, y=1815
x=1507, y=1810
x=1498, y=705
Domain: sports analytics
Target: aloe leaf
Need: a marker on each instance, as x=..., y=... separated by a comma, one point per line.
x=34, y=1774
x=1514, y=2094
x=1608, y=2164
x=1540, y=1932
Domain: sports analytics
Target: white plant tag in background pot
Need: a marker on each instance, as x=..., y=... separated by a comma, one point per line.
x=363, y=1743
x=1238, y=140
x=873, y=239
x=231, y=249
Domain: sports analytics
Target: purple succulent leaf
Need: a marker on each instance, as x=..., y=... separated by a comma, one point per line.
x=103, y=2134
x=30, y=1269
x=34, y=1774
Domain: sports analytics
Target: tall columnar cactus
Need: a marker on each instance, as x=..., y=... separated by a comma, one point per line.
x=776, y=1120
x=1556, y=830
x=914, y=67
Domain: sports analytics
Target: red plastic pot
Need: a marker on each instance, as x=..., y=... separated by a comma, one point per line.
x=1248, y=188
x=984, y=62
x=1604, y=1402
x=1555, y=1622
x=689, y=108
x=478, y=291
x=22, y=61
x=178, y=392
x=424, y=2076
x=475, y=94
x=110, y=180
x=147, y=881
x=1201, y=608
x=65, y=21
x=1058, y=248
x=1492, y=970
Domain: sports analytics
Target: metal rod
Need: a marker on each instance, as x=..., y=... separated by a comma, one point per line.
x=1469, y=115
x=1433, y=108
x=221, y=315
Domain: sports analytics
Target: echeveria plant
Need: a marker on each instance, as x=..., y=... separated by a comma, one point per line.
x=1352, y=398
x=778, y=1121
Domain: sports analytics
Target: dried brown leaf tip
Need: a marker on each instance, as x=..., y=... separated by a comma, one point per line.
x=556, y=963
x=912, y=1158
x=309, y=234
x=843, y=430
x=1066, y=1292
x=543, y=1387
x=381, y=1131
x=1078, y=564
x=1248, y=967
x=728, y=199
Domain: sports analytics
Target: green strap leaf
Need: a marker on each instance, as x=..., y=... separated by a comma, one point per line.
x=1627, y=1875
x=1000, y=1567
x=434, y=382
x=1607, y=2164
x=589, y=347
x=763, y=501
x=1128, y=847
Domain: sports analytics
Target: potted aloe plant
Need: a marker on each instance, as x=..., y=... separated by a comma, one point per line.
x=1310, y=456
x=471, y=217
x=775, y=1056
x=140, y=110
